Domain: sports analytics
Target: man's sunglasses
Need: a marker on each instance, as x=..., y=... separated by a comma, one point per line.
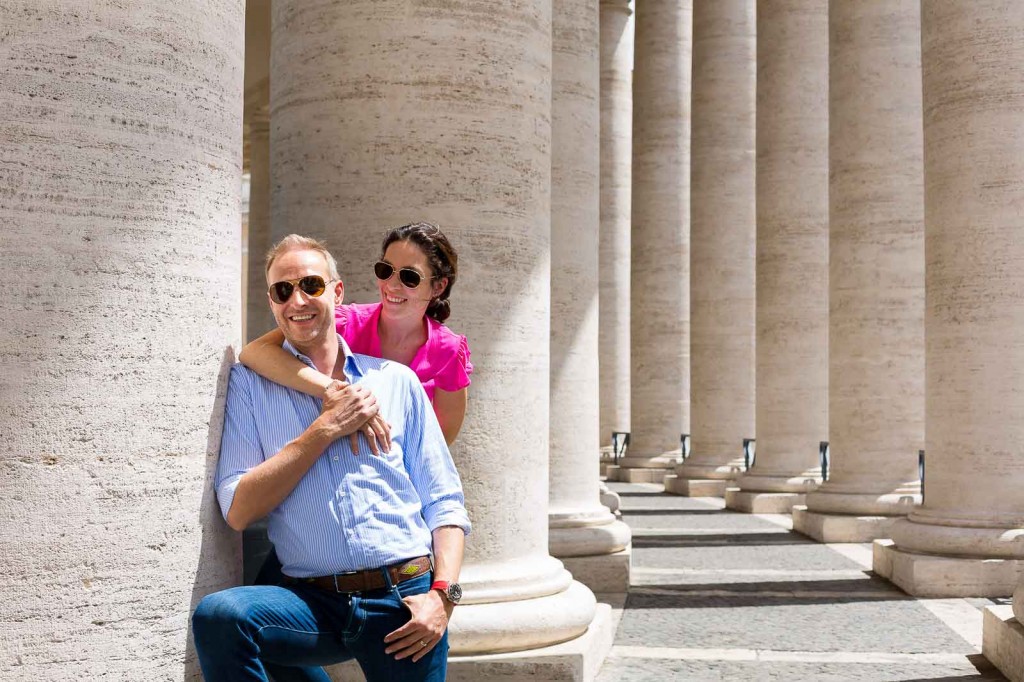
x=407, y=276
x=311, y=285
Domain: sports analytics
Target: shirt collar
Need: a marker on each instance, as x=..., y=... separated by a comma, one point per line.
x=352, y=367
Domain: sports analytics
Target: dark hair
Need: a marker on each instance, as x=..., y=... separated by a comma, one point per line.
x=440, y=254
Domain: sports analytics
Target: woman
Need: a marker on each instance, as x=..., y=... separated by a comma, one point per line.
x=415, y=275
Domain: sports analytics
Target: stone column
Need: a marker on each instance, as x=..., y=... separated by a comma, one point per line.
x=583, y=532
x=876, y=276
x=660, y=259
x=792, y=255
x=967, y=537
x=616, y=19
x=120, y=163
x=443, y=114
x=258, y=317
x=722, y=252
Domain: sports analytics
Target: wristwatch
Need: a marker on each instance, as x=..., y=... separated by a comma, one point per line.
x=451, y=591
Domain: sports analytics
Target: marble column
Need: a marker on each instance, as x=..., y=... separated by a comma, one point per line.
x=583, y=533
x=616, y=163
x=444, y=114
x=967, y=536
x=660, y=256
x=876, y=274
x=120, y=163
x=258, y=317
x=722, y=246
x=792, y=256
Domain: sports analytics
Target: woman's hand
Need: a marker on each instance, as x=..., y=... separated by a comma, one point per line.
x=351, y=409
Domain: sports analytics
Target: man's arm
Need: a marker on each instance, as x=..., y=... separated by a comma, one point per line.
x=264, y=486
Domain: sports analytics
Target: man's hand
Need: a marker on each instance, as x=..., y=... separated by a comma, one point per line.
x=430, y=614
x=349, y=409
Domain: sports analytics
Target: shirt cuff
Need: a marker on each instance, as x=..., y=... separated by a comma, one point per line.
x=447, y=515
x=226, y=494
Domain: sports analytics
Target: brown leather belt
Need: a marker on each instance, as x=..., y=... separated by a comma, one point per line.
x=370, y=579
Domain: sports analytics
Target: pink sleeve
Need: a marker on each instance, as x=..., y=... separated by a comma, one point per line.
x=455, y=375
x=341, y=319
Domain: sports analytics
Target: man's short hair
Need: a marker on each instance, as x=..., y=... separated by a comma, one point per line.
x=296, y=242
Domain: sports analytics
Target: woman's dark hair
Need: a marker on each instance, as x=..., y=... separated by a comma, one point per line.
x=440, y=254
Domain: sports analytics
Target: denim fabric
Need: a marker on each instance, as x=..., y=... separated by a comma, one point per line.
x=244, y=633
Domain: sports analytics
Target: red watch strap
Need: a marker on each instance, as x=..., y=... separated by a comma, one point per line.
x=439, y=585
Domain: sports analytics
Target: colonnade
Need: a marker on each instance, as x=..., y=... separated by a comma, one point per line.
x=761, y=250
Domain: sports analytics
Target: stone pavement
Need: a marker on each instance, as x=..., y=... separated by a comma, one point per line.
x=721, y=595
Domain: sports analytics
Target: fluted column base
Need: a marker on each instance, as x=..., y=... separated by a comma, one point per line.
x=1002, y=640
x=771, y=492
x=652, y=469
x=837, y=512
x=593, y=545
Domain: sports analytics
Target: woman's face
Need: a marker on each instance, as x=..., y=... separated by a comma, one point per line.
x=399, y=300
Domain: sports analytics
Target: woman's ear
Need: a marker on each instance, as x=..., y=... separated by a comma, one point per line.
x=438, y=287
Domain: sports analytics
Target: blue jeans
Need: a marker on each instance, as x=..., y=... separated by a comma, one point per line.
x=289, y=631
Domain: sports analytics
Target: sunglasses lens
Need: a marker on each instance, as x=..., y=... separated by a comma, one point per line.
x=409, y=278
x=312, y=285
x=281, y=291
x=383, y=270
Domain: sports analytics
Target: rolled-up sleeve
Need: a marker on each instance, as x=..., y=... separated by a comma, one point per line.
x=240, y=449
x=431, y=467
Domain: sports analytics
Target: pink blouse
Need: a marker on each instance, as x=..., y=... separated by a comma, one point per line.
x=442, y=362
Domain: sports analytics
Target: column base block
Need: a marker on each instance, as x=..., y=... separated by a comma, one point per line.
x=927, y=575
x=695, y=487
x=638, y=475
x=1002, y=641
x=602, y=573
x=610, y=471
x=577, y=660
x=754, y=502
x=841, y=527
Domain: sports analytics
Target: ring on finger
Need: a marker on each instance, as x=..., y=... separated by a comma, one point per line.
x=423, y=643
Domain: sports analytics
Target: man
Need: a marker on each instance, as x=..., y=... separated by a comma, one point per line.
x=353, y=530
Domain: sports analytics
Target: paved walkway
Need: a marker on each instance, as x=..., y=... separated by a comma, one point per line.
x=720, y=595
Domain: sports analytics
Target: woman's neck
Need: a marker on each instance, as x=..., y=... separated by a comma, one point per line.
x=401, y=338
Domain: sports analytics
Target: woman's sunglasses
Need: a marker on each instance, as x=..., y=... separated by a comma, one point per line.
x=311, y=285
x=407, y=276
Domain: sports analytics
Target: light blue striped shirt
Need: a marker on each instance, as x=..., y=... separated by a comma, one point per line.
x=349, y=512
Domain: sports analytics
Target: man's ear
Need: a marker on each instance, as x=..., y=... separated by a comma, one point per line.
x=339, y=292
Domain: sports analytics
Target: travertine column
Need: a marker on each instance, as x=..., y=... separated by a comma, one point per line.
x=580, y=526
x=876, y=273
x=616, y=20
x=259, y=319
x=443, y=114
x=660, y=281
x=792, y=254
x=973, y=505
x=120, y=168
x=722, y=245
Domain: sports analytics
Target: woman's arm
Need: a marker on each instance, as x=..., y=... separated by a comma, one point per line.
x=450, y=408
x=266, y=357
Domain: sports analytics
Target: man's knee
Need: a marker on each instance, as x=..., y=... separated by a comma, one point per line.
x=219, y=611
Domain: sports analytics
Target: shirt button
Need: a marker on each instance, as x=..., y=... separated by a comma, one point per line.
x=335, y=458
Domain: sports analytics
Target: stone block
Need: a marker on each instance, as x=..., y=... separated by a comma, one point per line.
x=762, y=503
x=1003, y=642
x=841, y=527
x=610, y=472
x=602, y=573
x=695, y=487
x=638, y=475
x=577, y=660
x=927, y=575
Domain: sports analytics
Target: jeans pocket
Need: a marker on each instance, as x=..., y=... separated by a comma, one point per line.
x=418, y=585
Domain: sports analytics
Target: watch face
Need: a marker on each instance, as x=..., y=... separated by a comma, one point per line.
x=454, y=593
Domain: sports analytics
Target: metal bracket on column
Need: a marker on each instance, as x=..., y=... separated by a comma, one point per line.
x=920, y=471
x=749, y=447
x=823, y=457
x=684, y=446
x=620, y=441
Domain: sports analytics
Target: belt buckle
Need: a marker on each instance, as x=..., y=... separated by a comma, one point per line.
x=335, y=577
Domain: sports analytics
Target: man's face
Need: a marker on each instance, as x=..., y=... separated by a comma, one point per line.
x=305, y=320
